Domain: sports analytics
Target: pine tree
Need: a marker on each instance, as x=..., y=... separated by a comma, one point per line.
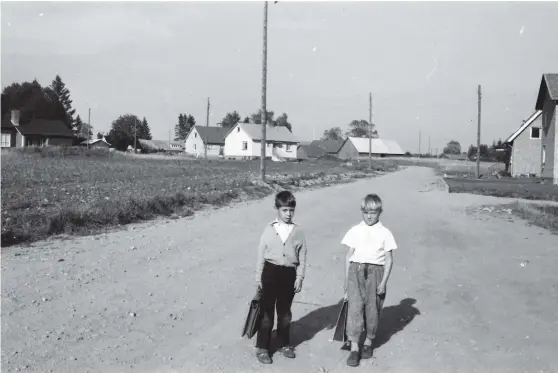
x=144, y=132
x=180, y=129
x=190, y=122
x=63, y=95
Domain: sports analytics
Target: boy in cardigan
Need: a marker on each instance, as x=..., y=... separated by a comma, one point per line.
x=279, y=274
x=368, y=266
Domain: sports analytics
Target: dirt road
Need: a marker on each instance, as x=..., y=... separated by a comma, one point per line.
x=469, y=292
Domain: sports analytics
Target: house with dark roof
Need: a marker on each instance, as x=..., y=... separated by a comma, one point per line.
x=244, y=142
x=310, y=151
x=526, y=147
x=201, y=137
x=547, y=101
x=331, y=147
x=35, y=132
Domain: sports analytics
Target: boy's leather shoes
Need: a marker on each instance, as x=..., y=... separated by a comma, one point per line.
x=366, y=352
x=354, y=359
x=263, y=356
x=288, y=351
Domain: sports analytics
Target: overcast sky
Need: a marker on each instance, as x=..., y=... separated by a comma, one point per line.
x=421, y=61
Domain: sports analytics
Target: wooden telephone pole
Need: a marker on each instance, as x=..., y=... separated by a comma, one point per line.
x=477, y=171
x=207, y=125
x=370, y=132
x=135, y=133
x=88, y=128
x=419, y=143
x=264, y=90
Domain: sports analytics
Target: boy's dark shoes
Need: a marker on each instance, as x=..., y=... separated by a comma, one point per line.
x=263, y=356
x=354, y=359
x=288, y=351
x=366, y=352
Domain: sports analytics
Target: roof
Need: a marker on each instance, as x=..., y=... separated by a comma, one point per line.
x=160, y=144
x=91, y=142
x=549, y=83
x=275, y=134
x=524, y=126
x=213, y=135
x=330, y=146
x=379, y=146
x=42, y=127
x=312, y=150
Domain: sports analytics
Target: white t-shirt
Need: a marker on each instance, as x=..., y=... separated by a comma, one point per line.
x=370, y=243
x=283, y=229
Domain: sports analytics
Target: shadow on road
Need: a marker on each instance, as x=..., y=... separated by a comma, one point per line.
x=392, y=320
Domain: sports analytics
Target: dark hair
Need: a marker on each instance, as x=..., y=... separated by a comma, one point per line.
x=285, y=198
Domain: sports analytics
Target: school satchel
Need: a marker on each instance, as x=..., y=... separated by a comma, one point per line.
x=340, y=333
x=252, y=322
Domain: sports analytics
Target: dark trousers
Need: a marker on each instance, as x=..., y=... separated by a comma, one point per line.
x=278, y=293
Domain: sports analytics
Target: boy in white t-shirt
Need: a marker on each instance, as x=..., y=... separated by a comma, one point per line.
x=368, y=266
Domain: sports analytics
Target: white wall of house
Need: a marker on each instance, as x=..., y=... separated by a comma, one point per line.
x=194, y=145
x=239, y=144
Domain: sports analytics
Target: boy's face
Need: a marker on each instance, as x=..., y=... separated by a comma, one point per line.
x=285, y=214
x=371, y=214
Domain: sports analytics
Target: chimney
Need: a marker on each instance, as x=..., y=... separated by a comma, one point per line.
x=15, y=117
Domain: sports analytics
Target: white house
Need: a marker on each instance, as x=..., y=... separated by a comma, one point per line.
x=201, y=136
x=244, y=142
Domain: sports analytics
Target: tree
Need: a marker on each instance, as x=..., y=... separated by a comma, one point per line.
x=190, y=122
x=122, y=131
x=180, y=132
x=63, y=94
x=32, y=101
x=83, y=130
x=246, y=120
x=361, y=128
x=453, y=147
x=257, y=118
x=334, y=133
x=230, y=120
x=144, y=132
x=100, y=135
x=283, y=121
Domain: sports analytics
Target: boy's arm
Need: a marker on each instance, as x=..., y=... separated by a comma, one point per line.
x=387, y=268
x=301, y=268
x=261, y=260
x=350, y=252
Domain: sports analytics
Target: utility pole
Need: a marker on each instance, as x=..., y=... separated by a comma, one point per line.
x=207, y=125
x=419, y=143
x=88, y=127
x=477, y=173
x=135, y=133
x=264, y=88
x=370, y=132
x=429, y=149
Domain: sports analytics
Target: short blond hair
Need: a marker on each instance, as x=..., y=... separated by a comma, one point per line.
x=371, y=201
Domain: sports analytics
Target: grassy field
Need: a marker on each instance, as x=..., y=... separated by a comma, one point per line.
x=47, y=192
x=511, y=188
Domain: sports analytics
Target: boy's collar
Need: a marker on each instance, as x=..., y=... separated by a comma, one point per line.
x=378, y=224
x=276, y=221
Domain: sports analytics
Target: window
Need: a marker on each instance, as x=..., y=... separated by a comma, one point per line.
x=237, y=129
x=194, y=146
x=289, y=148
x=195, y=135
x=544, y=155
x=535, y=133
x=6, y=140
x=245, y=145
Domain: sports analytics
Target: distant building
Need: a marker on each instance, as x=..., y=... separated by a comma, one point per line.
x=160, y=146
x=359, y=147
x=547, y=101
x=201, y=136
x=244, y=142
x=310, y=151
x=36, y=132
x=97, y=143
x=526, y=147
x=331, y=147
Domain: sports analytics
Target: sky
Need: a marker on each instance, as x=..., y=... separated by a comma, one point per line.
x=422, y=62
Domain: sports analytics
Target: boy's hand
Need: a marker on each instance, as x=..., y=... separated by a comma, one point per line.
x=298, y=285
x=381, y=288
